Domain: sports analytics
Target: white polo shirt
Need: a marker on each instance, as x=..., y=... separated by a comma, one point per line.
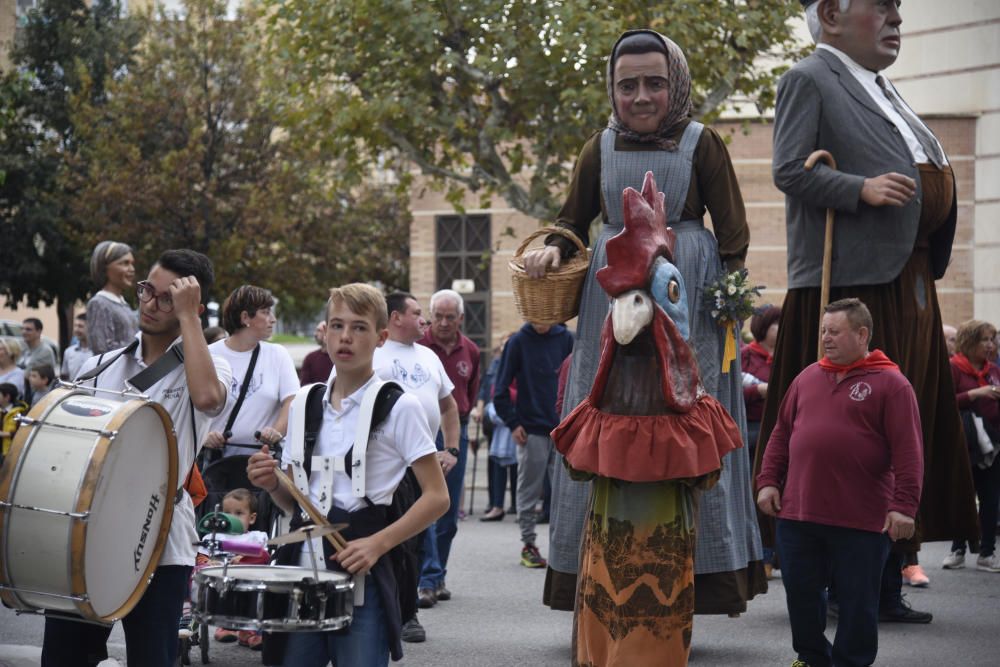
x=172, y=393
x=392, y=447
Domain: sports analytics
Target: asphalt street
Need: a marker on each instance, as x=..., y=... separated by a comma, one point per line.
x=496, y=618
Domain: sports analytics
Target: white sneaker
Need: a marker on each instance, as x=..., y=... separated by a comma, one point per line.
x=989, y=563
x=954, y=561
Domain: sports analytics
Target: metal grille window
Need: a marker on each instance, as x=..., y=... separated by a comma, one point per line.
x=463, y=253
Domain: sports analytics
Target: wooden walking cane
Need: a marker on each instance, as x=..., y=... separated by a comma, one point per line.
x=824, y=290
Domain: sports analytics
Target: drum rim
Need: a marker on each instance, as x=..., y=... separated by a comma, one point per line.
x=274, y=624
x=84, y=500
x=10, y=471
x=338, y=578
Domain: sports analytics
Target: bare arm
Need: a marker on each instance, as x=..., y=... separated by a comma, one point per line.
x=362, y=554
x=207, y=393
x=260, y=472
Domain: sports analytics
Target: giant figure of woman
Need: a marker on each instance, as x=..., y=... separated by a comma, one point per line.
x=651, y=129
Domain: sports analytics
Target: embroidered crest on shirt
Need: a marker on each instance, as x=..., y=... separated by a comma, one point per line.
x=464, y=368
x=860, y=391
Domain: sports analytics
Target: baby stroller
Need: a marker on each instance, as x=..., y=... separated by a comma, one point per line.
x=221, y=477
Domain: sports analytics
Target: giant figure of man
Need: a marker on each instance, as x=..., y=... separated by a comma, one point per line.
x=895, y=201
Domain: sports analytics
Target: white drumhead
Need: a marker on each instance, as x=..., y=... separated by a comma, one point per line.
x=130, y=499
x=266, y=573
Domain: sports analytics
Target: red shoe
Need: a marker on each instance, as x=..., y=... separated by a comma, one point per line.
x=250, y=639
x=913, y=575
x=226, y=636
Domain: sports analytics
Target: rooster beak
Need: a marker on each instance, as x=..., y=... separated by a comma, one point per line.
x=631, y=312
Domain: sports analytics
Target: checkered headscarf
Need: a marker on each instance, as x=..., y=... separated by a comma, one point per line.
x=679, y=79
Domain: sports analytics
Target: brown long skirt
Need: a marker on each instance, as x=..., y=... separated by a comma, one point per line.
x=907, y=321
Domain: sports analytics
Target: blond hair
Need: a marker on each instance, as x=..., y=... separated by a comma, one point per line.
x=360, y=299
x=12, y=345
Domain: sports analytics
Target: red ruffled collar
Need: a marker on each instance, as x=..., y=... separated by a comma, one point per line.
x=758, y=349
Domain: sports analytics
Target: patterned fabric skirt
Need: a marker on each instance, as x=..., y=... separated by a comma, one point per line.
x=635, y=600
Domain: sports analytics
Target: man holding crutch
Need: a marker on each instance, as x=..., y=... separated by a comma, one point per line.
x=895, y=203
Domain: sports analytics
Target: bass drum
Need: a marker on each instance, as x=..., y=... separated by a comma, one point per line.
x=86, y=498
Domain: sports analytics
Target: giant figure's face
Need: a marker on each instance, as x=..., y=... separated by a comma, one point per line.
x=870, y=33
x=642, y=91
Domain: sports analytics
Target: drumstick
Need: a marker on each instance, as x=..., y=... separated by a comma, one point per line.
x=334, y=538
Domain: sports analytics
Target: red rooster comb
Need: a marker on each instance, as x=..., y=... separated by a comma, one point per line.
x=633, y=250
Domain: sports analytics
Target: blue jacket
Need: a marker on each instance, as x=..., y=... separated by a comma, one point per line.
x=533, y=359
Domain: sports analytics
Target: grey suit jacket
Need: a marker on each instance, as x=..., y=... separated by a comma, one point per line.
x=821, y=105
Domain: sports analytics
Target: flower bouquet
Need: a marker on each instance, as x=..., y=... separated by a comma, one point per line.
x=731, y=301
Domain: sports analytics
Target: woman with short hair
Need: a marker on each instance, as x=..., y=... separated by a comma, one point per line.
x=111, y=321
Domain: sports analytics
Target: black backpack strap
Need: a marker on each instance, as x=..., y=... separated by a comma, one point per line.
x=313, y=422
x=228, y=431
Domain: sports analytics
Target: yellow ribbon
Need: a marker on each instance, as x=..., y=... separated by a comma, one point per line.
x=729, y=353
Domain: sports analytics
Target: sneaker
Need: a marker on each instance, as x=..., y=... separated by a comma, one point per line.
x=252, y=640
x=904, y=613
x=185, y=627
x=955, y=560
x=531, y=558
x=426, y=598
x=413, y=632
x=800, y=663
x=442, y=593
x=226, y=636
x=913, y=575
x=989, y=563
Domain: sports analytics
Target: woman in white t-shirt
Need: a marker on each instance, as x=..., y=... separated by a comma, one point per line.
x=248, y=316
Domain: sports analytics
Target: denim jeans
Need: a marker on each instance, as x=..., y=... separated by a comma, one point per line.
x=434, y=565
x=814, y=556
x=364, y=644
x=499, y=475
x=150, y=628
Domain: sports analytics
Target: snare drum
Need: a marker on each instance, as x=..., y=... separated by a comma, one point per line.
x=86, y=497
x=275, y=598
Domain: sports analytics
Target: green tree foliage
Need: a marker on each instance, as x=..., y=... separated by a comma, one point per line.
x=64, y=46
x=186, y=151
x=497, y=96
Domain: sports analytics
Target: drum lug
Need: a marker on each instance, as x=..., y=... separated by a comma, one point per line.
x=28, y=421
x=294, y=602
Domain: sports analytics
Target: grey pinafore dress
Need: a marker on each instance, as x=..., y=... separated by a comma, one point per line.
x=728, y=537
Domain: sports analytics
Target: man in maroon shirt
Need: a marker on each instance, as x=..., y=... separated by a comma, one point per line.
x=843, y=468
x=460, y=357
x=317, y=365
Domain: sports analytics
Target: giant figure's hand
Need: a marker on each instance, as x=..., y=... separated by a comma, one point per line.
x=890, y=189
x=537, y=262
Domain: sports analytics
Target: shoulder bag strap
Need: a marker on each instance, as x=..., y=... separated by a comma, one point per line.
x=228, y=431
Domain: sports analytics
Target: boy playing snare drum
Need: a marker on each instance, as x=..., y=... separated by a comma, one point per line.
x=356, y=325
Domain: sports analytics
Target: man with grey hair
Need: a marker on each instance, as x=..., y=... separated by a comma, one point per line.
x=894, y=196
x=460, y=357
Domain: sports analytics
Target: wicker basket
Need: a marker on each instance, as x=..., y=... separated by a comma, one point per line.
x=555, y=298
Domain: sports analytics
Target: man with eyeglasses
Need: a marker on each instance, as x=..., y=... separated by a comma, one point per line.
x=193, y=391
x=460, y=357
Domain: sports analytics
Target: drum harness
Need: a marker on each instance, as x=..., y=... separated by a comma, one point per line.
x=146, y=378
